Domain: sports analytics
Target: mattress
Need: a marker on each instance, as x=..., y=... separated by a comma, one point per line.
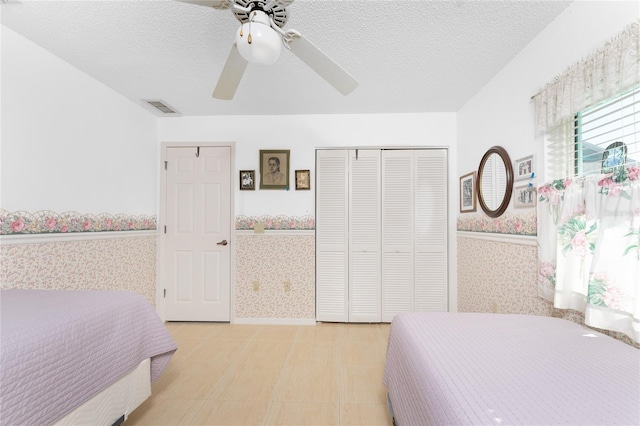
x=59, y=349
x=483, y=369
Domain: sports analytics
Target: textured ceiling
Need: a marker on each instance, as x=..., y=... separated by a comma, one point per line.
x=408, y=55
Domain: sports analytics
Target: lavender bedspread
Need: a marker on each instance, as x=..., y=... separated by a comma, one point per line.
x=472, y=369
x=58, y=349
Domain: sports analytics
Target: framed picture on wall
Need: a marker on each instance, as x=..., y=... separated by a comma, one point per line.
x=274, y=169
x=468, y=193
x=524, y=196
x=524, y=168
x=247, y=180
x=303, y=179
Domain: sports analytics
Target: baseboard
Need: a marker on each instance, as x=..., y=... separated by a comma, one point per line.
x=274, y=321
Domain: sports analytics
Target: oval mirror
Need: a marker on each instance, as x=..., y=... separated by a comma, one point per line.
x=495, y=181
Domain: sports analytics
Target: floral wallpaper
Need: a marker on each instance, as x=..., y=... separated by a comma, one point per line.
x=46, y=222
x=508, y=223
x=502, y=277
x=127, y=263
x=271, y=260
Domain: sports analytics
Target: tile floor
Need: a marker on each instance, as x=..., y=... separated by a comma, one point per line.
x=223, y=374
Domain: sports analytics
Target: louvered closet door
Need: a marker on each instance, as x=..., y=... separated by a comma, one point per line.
x=364, y=236
x=398, y=217
x=332, y=236
x=431, y=278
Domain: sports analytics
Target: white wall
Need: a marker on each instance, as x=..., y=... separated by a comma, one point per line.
x=302, y=134
x=502, y=113
x=69, y=143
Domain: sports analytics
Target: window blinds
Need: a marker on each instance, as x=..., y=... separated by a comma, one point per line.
x=600, y=139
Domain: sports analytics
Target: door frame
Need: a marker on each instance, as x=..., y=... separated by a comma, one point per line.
x=162, y=217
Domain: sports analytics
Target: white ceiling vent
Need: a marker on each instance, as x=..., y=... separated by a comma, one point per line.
x=161, y=106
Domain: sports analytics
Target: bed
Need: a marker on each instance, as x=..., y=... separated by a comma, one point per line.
x=77, y=357
x=483, y=369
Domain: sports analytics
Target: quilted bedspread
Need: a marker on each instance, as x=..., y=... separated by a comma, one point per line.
x=58, y=349
x=484, y=369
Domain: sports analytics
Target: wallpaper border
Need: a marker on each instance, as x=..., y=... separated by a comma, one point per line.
x=280, y=222
x=509, y=223
x=49, y=222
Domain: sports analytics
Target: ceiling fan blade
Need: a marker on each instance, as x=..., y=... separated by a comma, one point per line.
x=231, y=75
x=216, y=4
x=323, y=65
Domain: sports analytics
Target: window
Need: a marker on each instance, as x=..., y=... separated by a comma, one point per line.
x=607, y=135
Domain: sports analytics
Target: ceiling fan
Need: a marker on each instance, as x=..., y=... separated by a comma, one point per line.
x=260, y=39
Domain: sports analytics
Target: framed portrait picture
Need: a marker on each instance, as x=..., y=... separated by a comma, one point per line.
x=524, y=196
x=303, y=179
x=247, y=180
x=468, y=193
x=274, y=169
x=524, y=168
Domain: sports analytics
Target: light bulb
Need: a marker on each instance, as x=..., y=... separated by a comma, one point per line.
x=257, y=42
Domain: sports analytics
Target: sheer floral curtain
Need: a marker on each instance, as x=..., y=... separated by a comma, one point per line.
x=589, y=248
x=589, y=227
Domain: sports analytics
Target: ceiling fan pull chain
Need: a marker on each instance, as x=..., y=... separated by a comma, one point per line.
x=249, y=39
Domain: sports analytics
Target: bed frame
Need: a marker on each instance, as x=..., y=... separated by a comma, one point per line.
x=113, y=405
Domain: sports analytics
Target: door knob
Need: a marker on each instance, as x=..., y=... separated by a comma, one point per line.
x=223, y=243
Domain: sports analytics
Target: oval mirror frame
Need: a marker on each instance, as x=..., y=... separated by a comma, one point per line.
x=502, y=153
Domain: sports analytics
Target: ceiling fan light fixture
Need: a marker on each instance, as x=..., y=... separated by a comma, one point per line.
x=257, y=42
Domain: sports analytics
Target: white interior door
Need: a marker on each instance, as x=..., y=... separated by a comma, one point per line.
x=198, y=210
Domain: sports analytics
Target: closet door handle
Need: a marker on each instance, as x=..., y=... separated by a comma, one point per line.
x=223, y=243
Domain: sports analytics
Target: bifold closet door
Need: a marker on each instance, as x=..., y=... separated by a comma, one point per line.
x=431, y=265
x=414, y=231
x=381, y=233
x=348, y=235
x=398, y=232
x=332, y=235
x=364, y=236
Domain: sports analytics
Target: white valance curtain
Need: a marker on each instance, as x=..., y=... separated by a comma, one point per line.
x=589, y=227
x=612, y=69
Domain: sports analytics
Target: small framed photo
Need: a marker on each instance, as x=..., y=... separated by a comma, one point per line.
x=274, y=169
x=247, y=180
x=524, y=168
x=303, y=179
x=468, y=193
x=524, y=196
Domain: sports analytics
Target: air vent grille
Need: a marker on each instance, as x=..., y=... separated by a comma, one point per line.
x=161, y=106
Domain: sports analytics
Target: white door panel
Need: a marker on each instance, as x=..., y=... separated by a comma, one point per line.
x=198, y=205
x=364, y=236
x=332, y=216
x=431, y=231
x=398, y=219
